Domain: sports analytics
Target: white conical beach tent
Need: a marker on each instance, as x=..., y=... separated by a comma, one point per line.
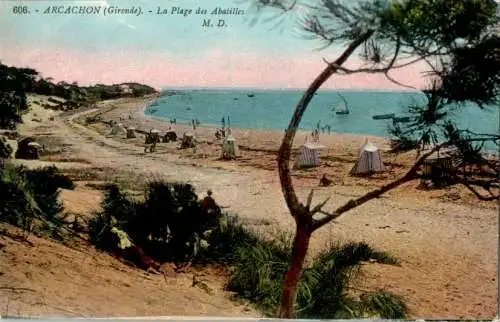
x=309, y=155
x=369, y=160
x=230, y=147
x=118, y=129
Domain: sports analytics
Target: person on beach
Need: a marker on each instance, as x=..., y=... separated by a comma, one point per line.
x=210, y=205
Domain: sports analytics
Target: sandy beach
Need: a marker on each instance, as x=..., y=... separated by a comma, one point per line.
x=446, y=239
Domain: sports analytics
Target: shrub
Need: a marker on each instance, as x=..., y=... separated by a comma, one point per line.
x=258, y=272
x=258, y=275
x=18, y=206
x=224, y=241
x=329, y=277
x=117, y=210
x=31, y=196
x=5, y=148
x=45, y=184
x=170, y=224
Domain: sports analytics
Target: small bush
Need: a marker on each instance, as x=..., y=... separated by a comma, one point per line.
x=258, y=272
x=5, y=148
x=18, y=206
x=258, y=275
x=383, y=304
x=225, y=240
x=45, y=185
x=169, y=225
x=31, y=196
x=117, y=210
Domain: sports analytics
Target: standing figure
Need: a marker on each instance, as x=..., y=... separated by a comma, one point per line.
x=210, y=205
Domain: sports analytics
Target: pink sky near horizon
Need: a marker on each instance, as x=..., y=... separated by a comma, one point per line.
x=215, y=68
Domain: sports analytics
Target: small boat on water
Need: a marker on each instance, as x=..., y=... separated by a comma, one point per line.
x=384, y=116
x=342, y=108
x=401, y=119
x=250, y=95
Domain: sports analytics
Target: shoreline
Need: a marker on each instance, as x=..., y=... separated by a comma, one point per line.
x=140, y=114
x=408, y=223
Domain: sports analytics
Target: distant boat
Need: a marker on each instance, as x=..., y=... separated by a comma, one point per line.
x=342, y=108
x=384, y=116
x=401, y=119
x=250, y=95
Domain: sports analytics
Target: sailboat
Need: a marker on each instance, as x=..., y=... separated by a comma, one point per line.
x=342, y=107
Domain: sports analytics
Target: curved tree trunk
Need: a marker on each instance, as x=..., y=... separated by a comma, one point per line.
x=292, y=277
x=301, y=214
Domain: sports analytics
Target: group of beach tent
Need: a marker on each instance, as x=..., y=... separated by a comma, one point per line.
x=230, y=149
x=369, y=159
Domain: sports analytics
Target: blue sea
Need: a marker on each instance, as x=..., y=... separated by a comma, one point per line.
x=272, y=109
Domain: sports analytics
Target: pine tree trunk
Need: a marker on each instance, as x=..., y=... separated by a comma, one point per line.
x=302, y=216
x=294, y=273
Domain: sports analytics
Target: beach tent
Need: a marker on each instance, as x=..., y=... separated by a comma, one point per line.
x=152, y=137
x=118, y=129
x=170, y=135
x=155, y=134
x=230, y=149
x=369, y=160
x=27, y=148
x=309, y=155
x=131, y=133
x=441, y=159
x=188, y=140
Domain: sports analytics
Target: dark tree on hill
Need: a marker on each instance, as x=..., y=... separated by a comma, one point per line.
x=460, y=44
x=13, y=85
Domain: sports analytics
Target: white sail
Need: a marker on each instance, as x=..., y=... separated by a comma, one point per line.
x=342, y=108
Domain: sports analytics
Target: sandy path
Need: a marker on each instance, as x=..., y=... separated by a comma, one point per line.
x=449, y=251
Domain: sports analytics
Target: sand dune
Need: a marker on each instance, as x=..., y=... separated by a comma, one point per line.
x=446, y=239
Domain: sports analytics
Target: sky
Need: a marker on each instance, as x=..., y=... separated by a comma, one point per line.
x=168, y=50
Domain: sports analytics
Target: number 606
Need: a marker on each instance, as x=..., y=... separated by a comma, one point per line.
x=20, y=10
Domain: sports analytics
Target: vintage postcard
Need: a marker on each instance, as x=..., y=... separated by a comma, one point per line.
x=307, y=159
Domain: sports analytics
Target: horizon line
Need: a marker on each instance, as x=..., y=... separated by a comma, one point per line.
x=170, y=88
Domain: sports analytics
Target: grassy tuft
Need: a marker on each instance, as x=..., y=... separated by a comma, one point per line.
x=258, y=273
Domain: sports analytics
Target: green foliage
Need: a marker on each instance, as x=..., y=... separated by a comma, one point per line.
x=17, y=205
x=258, y=271
x=383, y=304
x=224, y=241
x=30, y=197
x=5, y=148
x=13, y=102
x=170, y=224
x=259, y=267
x=438, y=22
x=45, y=184
x=474, y=79
x=15, y=83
